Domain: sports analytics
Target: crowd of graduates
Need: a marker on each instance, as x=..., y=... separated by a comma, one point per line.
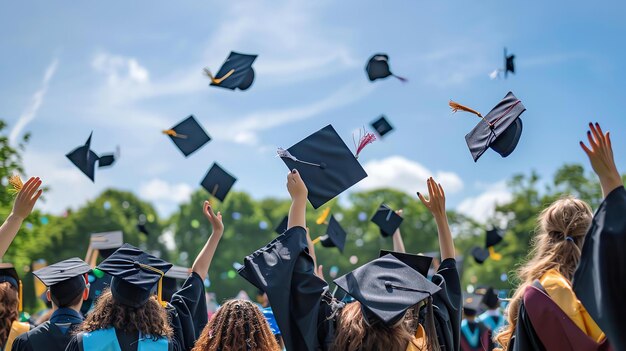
x=570, y=296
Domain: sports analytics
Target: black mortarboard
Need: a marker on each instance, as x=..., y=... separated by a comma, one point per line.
x=66, y=279
x=325, y=164
x=490, y=299
x=471, y=304
x=282, y=227
x=509, y=63
x=500, y=129
x=141, y=227
x=134, y=274
x=236, y=72
x=85, y=159
x=386, y=288
x=480, y=254
x=188, y=135
x=284, y=270
x=378, y=67
x=382, y=126
x=494, y=237
x=387, y=220
x=335, y=235
x=218, y=182
x=420, y=263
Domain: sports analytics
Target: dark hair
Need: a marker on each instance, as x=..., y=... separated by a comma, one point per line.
x=75, y=300
x=8, y=310
x=237, y=326
x=149, y=319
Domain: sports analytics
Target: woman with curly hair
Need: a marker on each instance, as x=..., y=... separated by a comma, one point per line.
x=238, y=325
x=129, y=317
x=10, y=327
x=545, y=313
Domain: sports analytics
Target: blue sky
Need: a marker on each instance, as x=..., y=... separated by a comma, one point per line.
x=128, y=70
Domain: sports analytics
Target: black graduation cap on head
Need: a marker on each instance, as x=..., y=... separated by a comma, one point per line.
x=284, y=270
x=282, y=227
x=500, y=129
x=236, y=72
x=85, y=159
x=386, y=288
x=135, y=273
x=387, y=220
x=218, y=182
x=509, y=63
x=8, y=274
x=490, y=298
x=378, y=67
x=420, y=263
x=66, y=279
x=188, y=135
x=471, y=304
x=325, y=163
x=381, y=126
x=335, y=235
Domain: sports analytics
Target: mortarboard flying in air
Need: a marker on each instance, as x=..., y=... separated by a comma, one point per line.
x=85, y=159
x=236, y=72
x=188, y=135
x=509, y=66
x=378, y=68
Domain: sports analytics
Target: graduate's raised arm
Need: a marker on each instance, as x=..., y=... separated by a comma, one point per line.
x=600, y=153
x=398, y=243
x=436, y=204
x=203, y=261
x=298, y=192
x=22, y=207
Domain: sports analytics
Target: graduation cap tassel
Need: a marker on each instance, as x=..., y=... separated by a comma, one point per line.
x=172, y=133
x=365, y=138
x=322, y=219
x=217, y=81
x=402, y=79
x=494, y=255
x=282, y=153
x=160, y=286
x=455, y=106
x=20, y=297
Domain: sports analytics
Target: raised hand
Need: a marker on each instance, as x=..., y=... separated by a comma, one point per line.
x=296, y=187
x=436, y=202
x=26, y=198
x=214, y=219
x=600, y=153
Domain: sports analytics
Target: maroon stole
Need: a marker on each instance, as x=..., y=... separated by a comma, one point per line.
x=555, y=329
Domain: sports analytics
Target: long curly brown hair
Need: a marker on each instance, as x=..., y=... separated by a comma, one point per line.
x=354, y=334
x=560, y=234
x=8, y=310
x=149, y=319
x=238, y=325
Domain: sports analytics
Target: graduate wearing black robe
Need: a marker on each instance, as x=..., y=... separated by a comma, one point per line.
x=52, y=335
x=302, y=303
x=187, y=313
x=600, y=279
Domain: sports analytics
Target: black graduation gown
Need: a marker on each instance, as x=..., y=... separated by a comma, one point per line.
x=187, y=313
x=447, y=305
x=600, y=279
x=543, y=326
x=46, y=336
x=284, y=270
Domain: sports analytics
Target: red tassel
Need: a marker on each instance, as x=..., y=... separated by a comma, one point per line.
x=364, y=139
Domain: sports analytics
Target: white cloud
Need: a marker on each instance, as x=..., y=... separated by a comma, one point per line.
x=120, y=70
x=400, y=173
x=37, y=99
x=165, y=196
x=482, y=207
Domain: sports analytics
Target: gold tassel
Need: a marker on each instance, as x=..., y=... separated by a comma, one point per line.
x=323, y=217
x=19, y=302
x=494, y=255
x=172, y=133
x=160, y=286
x=455, y=106
x=218, y=81
x=316, y=240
